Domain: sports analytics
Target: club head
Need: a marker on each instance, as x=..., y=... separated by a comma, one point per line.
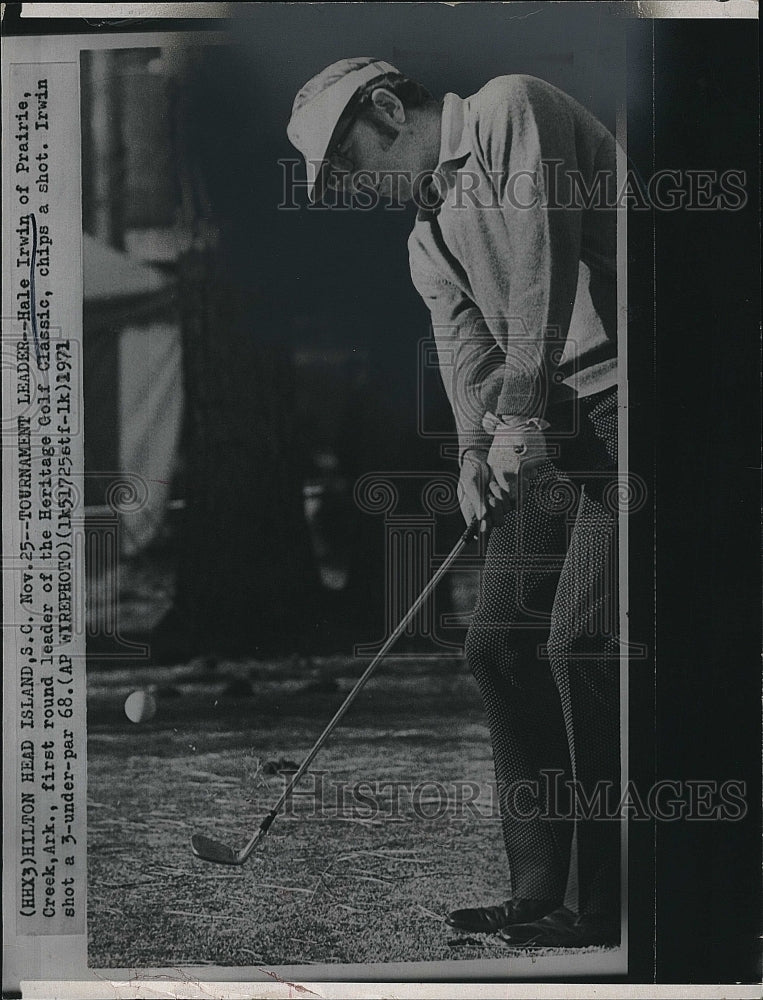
x=212, y=850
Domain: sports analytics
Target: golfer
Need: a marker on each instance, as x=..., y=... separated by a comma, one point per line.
x=513, y=251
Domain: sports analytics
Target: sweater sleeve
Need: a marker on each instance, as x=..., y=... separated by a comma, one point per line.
x=522, y=124
x=471, y=363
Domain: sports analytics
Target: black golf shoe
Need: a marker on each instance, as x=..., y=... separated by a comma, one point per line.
x=491, y=919
x=563, y=929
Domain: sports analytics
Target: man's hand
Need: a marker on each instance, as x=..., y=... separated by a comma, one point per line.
x=518, y=449
x=477, y=495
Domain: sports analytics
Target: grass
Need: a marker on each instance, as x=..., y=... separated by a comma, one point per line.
x=355, y=876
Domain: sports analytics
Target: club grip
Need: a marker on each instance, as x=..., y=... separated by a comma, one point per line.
x=472, y=531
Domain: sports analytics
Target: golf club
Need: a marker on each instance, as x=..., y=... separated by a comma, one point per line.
x=221, y=854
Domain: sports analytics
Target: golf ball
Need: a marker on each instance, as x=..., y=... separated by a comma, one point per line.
x=140, y=706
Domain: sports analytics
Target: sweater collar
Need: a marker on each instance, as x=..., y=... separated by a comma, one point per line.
x=454, y=140
x=454, y=148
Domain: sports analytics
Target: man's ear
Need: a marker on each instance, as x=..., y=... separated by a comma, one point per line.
x=388, y=103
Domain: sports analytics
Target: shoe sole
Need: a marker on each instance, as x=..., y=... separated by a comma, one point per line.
x=475, y=930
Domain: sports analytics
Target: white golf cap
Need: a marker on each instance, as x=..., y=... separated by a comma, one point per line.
x=319, y=106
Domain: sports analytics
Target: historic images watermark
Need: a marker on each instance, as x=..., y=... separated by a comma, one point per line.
x=551, y=797
x=667, y=190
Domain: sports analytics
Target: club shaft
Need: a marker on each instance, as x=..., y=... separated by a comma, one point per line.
x=465, y=538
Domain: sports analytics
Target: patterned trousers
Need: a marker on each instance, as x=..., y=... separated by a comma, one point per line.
x=543, y=647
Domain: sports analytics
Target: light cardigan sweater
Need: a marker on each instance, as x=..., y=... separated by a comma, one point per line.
x=518, y=272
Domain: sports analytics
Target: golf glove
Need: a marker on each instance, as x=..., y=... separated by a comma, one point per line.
x=517, y=452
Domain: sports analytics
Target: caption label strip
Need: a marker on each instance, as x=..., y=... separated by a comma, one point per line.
x=42, y=450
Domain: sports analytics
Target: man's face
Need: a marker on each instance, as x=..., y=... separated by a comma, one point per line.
x=367, y=157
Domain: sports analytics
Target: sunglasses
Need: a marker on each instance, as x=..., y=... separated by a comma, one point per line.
x=339, y=164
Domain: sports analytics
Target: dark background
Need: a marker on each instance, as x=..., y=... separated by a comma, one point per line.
x=705, y=433
x=694, y=363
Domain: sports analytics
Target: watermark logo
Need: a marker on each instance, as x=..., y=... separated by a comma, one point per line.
x=551, y=187
x=550, y=798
